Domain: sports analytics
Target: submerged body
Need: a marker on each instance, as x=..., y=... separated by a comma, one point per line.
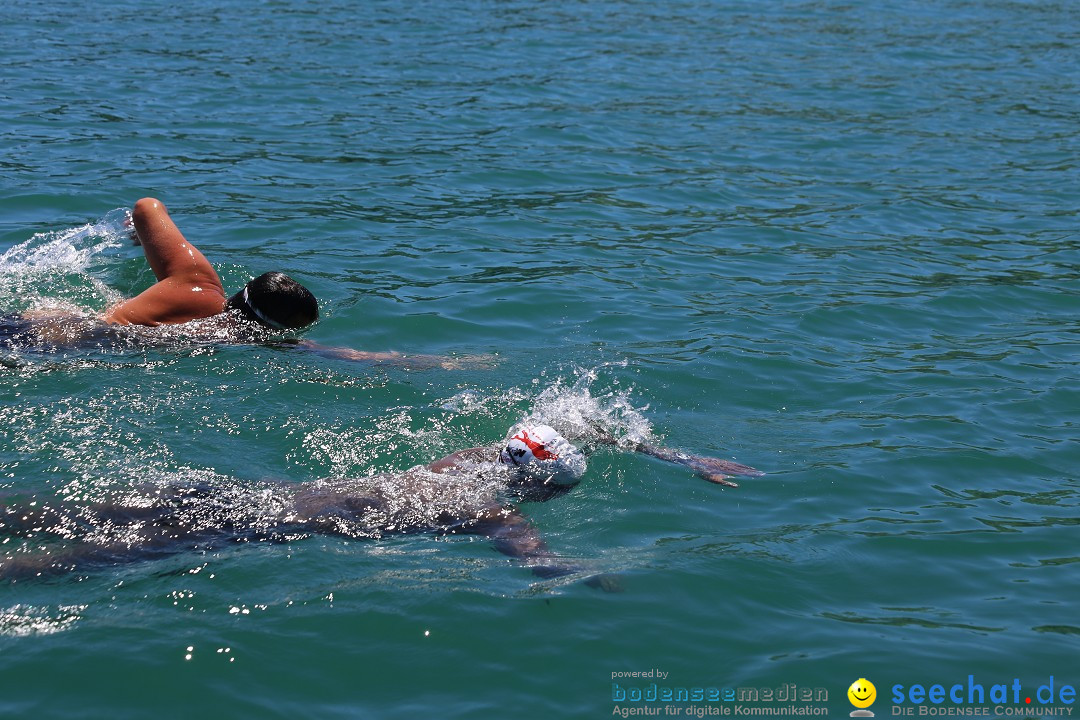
x=54, y=330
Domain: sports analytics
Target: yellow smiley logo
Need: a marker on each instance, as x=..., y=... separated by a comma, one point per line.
x=862, y=693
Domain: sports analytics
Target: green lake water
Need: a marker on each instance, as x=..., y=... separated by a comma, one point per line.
x=836, y=241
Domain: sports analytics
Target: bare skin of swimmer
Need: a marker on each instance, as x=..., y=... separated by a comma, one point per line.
x=187, y=288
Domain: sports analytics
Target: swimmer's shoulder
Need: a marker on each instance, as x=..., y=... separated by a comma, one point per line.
x=169, y=302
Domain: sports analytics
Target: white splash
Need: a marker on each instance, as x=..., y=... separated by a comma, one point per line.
x=580, y=415
x=50, y=269
x=68, y=250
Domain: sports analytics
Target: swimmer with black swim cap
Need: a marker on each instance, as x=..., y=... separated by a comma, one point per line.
x=188, y=288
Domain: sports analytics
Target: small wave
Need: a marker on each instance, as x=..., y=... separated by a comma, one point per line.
x=583, y=407
x=475, y=402
x=588, y=407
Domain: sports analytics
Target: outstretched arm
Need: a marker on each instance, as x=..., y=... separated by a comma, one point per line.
x=396, y=359
x=714, y=470
x=188, y=288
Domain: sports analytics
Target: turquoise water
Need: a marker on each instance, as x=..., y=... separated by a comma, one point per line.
x=834, y=241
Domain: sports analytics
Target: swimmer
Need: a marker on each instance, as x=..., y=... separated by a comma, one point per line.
x=188, y=289
x=473, y=491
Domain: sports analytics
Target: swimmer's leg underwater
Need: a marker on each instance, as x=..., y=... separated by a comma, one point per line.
x=24, y=520
x=64, y=537
x=48, y=562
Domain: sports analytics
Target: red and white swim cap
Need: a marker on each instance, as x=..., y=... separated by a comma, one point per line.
x=541, y=450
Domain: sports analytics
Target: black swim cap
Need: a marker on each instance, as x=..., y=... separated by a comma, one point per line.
x=277, y=301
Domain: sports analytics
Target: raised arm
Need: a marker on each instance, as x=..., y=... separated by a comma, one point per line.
x=188, y=288
x=167, y=250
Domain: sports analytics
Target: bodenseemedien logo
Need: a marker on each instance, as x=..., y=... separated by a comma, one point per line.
x=862, y=694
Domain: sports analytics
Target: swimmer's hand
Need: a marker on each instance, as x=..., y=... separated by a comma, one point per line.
x=712, y=469
x=608, y=582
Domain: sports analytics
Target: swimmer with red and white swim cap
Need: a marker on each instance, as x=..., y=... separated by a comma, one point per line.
x=543, y=465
